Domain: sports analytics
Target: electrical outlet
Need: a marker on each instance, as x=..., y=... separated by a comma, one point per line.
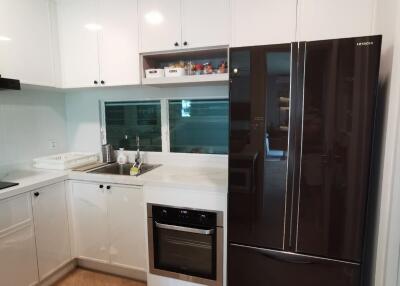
x=52, y=144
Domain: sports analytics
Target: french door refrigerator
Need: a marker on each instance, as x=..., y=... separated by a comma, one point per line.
x=301, y=135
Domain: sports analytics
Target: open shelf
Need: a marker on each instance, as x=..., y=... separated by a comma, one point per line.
x=213, y=56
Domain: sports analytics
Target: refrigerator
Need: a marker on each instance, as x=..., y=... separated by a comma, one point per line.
x=300, y=146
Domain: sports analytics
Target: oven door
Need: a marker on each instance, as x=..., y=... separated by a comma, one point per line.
x=186, y=253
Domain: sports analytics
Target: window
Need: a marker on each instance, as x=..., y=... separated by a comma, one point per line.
x=199, y=126
x=126, y=120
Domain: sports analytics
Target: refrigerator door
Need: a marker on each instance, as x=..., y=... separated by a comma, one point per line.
x=260, y=81
x=264, y=267
x=340, y=88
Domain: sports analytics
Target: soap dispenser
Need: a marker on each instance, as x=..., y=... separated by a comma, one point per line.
x=122, y=157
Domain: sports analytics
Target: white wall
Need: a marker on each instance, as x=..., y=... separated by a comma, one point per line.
x=83, y=110
x=387, y=23
x=28, y=120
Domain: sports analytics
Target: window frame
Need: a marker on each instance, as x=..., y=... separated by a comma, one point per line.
x=165, y=135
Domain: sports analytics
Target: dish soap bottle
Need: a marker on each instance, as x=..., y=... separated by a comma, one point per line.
x=122, y=157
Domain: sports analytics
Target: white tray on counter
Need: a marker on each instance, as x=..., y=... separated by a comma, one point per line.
x=65, y=161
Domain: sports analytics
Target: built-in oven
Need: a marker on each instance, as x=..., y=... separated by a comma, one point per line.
x=186, y=244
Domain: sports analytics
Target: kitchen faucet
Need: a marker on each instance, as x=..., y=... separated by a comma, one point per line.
x=138, y=159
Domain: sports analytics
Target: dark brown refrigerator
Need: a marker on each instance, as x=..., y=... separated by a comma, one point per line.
x=301, y=136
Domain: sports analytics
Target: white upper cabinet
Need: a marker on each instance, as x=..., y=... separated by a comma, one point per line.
x=263, y=22
x=329, y=19
x=26, y=42
x=119, y=42
x=98, y=42
x=160, y=25
x=78, y=28
x=205, y=23
x=180, y=24
x=51, y=228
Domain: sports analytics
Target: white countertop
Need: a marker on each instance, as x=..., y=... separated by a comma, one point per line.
x=197, y=179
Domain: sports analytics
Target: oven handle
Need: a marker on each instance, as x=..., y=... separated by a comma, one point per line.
x=185, y=229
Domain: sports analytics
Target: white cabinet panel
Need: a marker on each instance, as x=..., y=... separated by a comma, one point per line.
x=263, y=22
x=127, y=227
x=78, y=29
x=51, y=228
x=25, y=41
x=90, y=221
x=205, y=23
x=329, y=19
x=160, y=24
x=18, y=265
x=119, y=55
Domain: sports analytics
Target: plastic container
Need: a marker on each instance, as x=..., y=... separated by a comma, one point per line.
x=174, y=72
x=65, y=161
x=154, y=73
x=122, y=158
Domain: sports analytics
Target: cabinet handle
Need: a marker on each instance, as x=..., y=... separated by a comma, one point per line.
x=108, y=187
x=36, y=194
x=185, y=43
x=101, y=186
x=95, y=82
x=102, y=82
x=176, y=44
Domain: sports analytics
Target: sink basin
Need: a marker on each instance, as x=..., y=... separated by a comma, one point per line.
x=117, y=169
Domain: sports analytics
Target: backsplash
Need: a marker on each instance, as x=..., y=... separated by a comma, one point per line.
x=32, y=124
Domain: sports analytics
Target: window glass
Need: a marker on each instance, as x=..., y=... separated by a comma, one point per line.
x=199, y=126
x=126, y=120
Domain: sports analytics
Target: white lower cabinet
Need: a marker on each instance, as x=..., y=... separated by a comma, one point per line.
x=51, y=228
x=109, y=224
x=18, y=266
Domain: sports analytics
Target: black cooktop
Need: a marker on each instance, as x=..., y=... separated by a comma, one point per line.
x=4, y=185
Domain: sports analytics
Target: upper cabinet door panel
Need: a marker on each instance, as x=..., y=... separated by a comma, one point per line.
x=331, y=19
x=25, y=41
x=78, y=33
x=118, y=45
x=160, y=25
x=263, y=22
x=341, y=79
x=205, y=23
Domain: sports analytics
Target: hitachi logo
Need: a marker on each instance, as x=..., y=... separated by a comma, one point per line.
x=365, y=43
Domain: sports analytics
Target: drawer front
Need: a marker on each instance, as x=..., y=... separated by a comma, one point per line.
x=15, y=212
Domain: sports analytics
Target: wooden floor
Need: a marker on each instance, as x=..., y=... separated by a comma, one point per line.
x=83, y=277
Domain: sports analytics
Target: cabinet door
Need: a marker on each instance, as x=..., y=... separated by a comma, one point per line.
x=18, y=266
x=262, y=22
x=127, y=227
x=160, y=25
x=25, y=41
x=90, y=221
x=205, y=23
x=331, y=19
x=51, y=228
x=119, y=42
x=78, y=34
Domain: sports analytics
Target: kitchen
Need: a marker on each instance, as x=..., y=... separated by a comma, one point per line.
x=259, y=142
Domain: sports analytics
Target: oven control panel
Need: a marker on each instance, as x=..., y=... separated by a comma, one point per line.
x=184, y=216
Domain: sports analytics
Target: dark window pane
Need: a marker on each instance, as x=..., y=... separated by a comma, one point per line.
x=199, y=126
x=126, y=120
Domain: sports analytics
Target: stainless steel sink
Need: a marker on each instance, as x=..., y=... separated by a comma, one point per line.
x=117, y=169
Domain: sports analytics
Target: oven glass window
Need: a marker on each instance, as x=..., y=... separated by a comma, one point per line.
x=186, y=253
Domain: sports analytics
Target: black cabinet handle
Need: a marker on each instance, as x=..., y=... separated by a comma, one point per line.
x=176, y=44
x=101, y=186
x=185, y=43
x=36, y=194
x=108, y=187
x=95, y=82
x=102, y=82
